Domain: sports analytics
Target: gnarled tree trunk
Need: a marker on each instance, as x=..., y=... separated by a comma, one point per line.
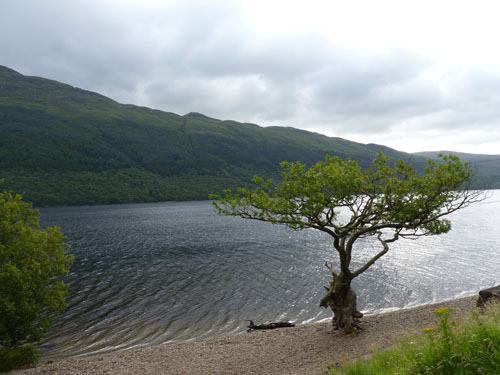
x=341, y=298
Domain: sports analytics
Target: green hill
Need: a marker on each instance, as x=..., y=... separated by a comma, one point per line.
x=61, y=145
x=486, y=167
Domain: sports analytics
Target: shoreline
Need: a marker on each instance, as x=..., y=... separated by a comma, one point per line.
x=304, y=349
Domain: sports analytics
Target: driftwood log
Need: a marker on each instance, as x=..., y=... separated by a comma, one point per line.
x=273, y=325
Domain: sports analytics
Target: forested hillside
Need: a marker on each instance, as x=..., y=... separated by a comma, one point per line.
x=486, y=167
x=61, y=145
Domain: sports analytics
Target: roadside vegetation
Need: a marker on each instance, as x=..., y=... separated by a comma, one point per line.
x=469, y=348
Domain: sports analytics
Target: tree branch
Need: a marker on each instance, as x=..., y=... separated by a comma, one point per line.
x=376, y=257
x=330, y=268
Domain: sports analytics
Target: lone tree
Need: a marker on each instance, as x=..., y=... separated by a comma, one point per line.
x=339, y=198
x=32, y=261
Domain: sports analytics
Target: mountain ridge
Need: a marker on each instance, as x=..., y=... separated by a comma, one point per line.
x=63, y=145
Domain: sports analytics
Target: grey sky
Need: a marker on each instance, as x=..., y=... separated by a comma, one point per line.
x=411, y=75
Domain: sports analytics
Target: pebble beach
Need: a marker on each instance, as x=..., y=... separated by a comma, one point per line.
x=307, y=349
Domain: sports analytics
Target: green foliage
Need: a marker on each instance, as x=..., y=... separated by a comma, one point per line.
x=448, y=349
x=382, y=197
x=59, y=187
x=486, y=168
x=32, y=261
x=18, y=357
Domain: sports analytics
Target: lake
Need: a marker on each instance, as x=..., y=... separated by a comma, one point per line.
x=148, y=274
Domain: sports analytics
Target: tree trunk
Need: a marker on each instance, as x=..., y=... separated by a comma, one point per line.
x=341, y=298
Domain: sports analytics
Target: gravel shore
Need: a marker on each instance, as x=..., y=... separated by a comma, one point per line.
x=304, y=350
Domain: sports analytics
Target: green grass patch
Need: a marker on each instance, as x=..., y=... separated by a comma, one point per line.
x=473, y=347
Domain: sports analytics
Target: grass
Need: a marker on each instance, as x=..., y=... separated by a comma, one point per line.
x=472, y=347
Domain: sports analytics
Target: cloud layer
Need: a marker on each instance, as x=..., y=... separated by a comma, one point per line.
x=411, y=78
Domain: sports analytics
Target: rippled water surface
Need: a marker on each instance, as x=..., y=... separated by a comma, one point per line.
x=168, y=272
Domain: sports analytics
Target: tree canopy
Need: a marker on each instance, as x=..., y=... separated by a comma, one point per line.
x=340, y=198
x=32, y=261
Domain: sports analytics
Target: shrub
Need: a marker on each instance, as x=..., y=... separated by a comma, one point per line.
x=17, y=357
x=32, y=262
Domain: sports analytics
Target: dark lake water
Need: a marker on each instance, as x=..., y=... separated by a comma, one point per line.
x=159, y=273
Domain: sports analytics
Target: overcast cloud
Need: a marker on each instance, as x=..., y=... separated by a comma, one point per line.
x=411, y=75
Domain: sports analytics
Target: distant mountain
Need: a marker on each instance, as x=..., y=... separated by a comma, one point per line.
x=61, y=145
x=462, y=155
x=486, y=167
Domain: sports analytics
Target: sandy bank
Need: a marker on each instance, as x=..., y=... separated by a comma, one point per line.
x=307, y=349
